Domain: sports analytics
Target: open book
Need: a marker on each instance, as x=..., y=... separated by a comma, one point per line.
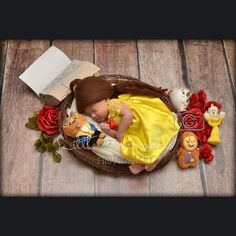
x=50, y=75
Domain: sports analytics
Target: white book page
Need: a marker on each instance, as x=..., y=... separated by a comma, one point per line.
x=45, y=69
x=60, y=86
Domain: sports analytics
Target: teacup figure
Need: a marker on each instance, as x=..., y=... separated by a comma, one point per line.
x=180, y=98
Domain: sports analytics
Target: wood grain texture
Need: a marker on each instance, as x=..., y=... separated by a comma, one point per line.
x=230, y=50
x=207, y=70
x=118, y=57
x=70, y=177
x=19, y=160
x=160, y=64
x=3, y=48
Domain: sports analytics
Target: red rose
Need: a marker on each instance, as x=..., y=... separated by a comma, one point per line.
x=48, y=120
x=205, y=150
x=112, y=124
x=202, y=97
x=207, y=160
x=193, y=120
x=197, y=100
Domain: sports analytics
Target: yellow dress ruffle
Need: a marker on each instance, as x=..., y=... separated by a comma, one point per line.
x=152, y=128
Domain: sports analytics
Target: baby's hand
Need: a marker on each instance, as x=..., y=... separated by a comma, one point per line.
x=106, y=129
x=119, y=136
x=104, y=126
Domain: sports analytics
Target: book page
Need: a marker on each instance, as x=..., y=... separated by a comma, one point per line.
x=60, y=86
x=45, y=69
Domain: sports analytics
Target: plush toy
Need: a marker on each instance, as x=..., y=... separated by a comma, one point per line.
x=214, y=119
x=180, y=98
x=75, y=125
x=188, y=153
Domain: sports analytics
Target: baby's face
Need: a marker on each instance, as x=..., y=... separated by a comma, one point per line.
x=98, y=111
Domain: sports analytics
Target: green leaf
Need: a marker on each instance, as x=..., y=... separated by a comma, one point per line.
x=56, y=157
x=49, y=147
x=50, y=140
x=37, y=142
x=41, y=137
x=44, y=143
x=56, y=145
x=31, y=125
x=33, y=120
x=47, y=136
x=61, y=142
x=36, y=128
x=41, y=149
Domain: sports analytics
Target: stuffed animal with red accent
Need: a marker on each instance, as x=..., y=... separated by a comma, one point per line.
x=214, y=119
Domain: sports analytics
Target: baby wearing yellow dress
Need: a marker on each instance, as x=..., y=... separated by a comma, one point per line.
x=145, y=123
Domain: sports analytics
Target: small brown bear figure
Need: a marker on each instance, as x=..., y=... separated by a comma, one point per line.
x=188, y=153
x=86, y=134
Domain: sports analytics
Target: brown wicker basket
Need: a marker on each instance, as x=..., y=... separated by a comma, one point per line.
x=87, y=156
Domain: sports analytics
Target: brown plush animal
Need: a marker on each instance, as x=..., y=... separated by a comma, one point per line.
x=86, y=134
x=188, y=153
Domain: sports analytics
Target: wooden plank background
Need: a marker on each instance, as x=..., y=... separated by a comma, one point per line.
x=197, y=64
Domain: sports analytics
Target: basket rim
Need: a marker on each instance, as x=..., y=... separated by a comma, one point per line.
x=90, y=158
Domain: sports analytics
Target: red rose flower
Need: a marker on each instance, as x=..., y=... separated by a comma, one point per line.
x=197, y=100
x=48, y=120
x=112, y=124
x=202, y=97
x=193, y=120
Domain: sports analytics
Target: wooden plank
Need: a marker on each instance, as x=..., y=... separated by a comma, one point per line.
x=230, y=51
x=207, y=70
x=118, y=57
x=160, y=62
x=70, y=177
x=20, y=161
x=3, y=48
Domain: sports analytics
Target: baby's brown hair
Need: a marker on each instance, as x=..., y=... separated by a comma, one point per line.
x=93, y=89
x=90, y=90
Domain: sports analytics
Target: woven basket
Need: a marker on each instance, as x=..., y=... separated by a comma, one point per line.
x=90, y=158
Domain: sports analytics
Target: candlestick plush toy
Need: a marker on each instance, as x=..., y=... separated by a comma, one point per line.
x=214, y=119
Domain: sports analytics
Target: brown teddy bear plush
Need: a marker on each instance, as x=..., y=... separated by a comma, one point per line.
x=86, y=134
x=188, y=153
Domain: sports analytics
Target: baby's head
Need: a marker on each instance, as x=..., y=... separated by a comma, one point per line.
x=92, y=95
x=98, y=111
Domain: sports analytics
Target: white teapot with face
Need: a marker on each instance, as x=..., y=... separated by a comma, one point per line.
x=180, y=98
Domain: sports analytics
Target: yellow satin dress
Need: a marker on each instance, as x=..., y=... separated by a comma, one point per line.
x=152, y=128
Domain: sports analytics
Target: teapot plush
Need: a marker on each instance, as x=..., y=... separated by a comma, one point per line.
x=214, y=119
x=75, y=125
x=188, y=153
x=180, y=98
